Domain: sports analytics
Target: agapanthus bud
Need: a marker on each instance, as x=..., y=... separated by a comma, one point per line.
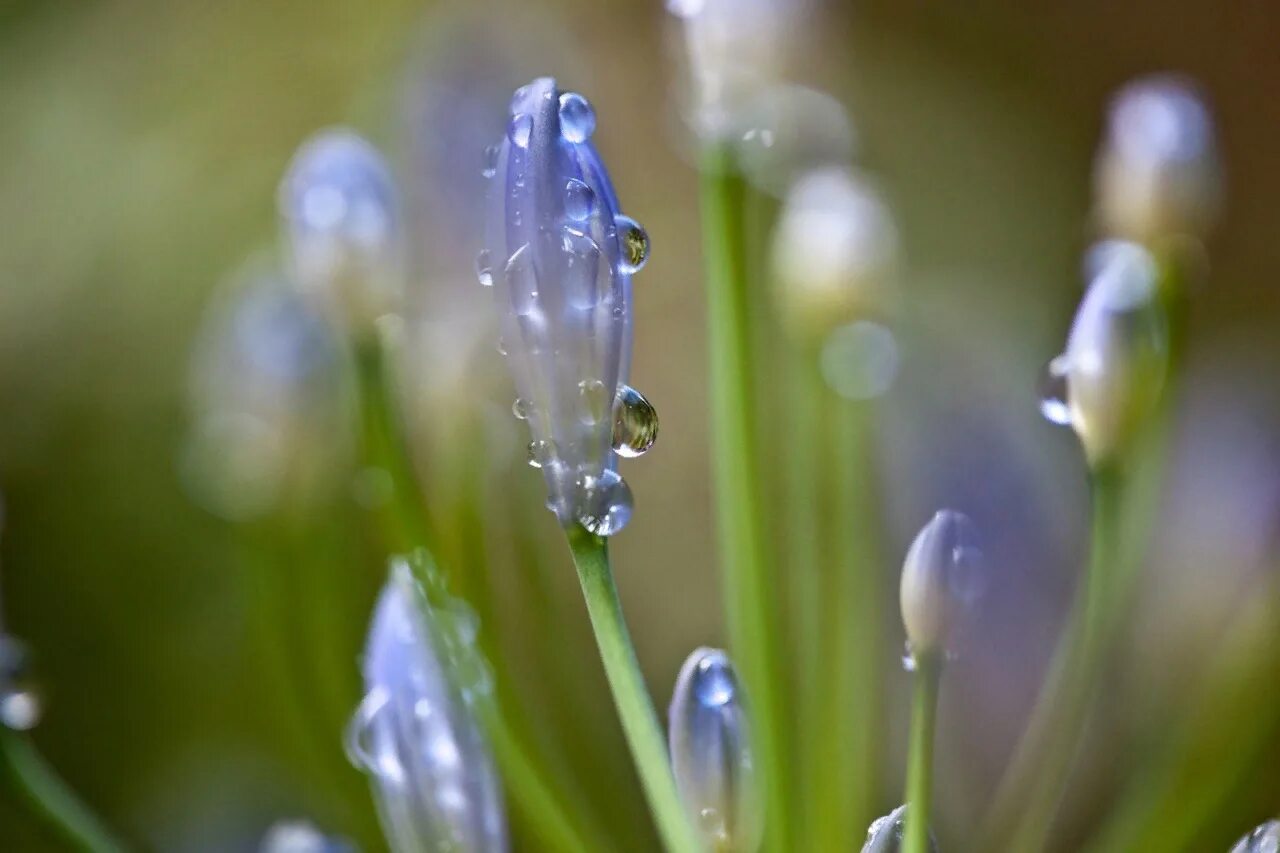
x=299, y=836
x=942, y=576
x=1264, y=839
x=1157, y=172
x=343, y=224
x=560, y=255
x=834, y=252
x=1117, y=353
x=433, y=776
x=885, y=833
x=711, y=753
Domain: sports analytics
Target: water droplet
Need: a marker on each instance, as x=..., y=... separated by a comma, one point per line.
x=358, y=735
x=522, y=284
x=714, y=684
x=633, y=243
x=540, y=453
x=604, y=503
x=1053, y=391
x=502, y=347
x=577, y=118
x=635, y=423
x=582, y=261
x=578, y=200
x=518, y=99
x=860, y=361
x=490, y=167
x=520, y=129
x=908, y=659
x=595, y=400
x=484, y=268
x=521, y=408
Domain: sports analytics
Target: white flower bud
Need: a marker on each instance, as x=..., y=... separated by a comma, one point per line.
x=1116, y=358
x=711, y=754
x=885, y=833
x=834, y=253
x=942, y=576
x=1157, y=173
x=1264, y=839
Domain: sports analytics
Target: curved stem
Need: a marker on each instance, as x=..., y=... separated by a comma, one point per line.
x=49, y=797
x=924, y=710
x=635, y=709
x=749, y=585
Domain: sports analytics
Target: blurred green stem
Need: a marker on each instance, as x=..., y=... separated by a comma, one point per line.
x=635, y=708
x=1037, y=776
x=919, y=796
x=748, y=581
x=36, y=783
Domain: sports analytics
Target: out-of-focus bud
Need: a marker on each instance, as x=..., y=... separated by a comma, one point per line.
x=267, y=429
x=942, y=577
x=415, y=733
x=20, y=707
x=560, y=255
x=834, y=253
x=735, y=49
x=342, y=221
x=1264, y=839
x=885, y=833
x=1117, y=353
x=299, y=836
x=1157, y=173
x=711, y=754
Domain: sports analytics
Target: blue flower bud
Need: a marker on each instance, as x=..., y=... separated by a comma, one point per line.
x=1263, y=839
x=560, y=254
x=432, y=773
x=885, y=833
x=711, y=753
x=942, y=575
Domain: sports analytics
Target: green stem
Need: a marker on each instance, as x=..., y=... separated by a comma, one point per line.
x=48, y=796
x=635, y=709
x=919, y=797
x=749, y=584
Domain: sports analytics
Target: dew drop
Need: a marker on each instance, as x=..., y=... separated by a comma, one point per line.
x=521, y=408
x=633, y=243
x=577, y=118
x=502, y=347
x=520, y=129
x=714, y=685
x=604, y=503
x=358, y=736
x=1053, y=391
x=540, y=453
x=595, y=400
x=635, y=423
x=518, y=99
x=578, y=200
x=908, y=658
x=484, y=268
x=490, y=167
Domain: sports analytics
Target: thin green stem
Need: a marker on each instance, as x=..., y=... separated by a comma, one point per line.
x=919, y=797
x=48, y=796
x=635, y=709
x=749, y=584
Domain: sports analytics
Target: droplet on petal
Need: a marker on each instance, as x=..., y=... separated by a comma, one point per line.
x=635, y=423
x=578, y=200
x=577, y=118
x=633, y=243
x=520, y=129
x=484, y=268
x=1053, y=391
x=604, y=503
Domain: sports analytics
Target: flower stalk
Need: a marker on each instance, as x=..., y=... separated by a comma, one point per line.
x=924, y=712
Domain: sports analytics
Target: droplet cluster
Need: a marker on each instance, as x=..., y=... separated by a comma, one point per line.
x=559, y=255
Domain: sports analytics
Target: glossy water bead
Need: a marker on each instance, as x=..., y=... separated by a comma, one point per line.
x=561, y=255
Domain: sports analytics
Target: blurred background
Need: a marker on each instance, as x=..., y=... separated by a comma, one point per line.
x=195, y=623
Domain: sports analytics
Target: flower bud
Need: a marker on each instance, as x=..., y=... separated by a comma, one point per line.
x=834, y=253
x=433, y=776
x=299, y=836
x=1157, y=173
x=1264, y=839
x=711, y=753
x=560, y=255
x=1117, y=353
x=885, y=833
x=342, y=222
x=942, y=576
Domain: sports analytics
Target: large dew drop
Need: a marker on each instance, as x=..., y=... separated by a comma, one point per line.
x=520, y=129
x=633, y=243
x=605, y=503
x=635, y=423
x=577, y=118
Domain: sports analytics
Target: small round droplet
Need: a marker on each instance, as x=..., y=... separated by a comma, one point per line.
x=521, y=408
x=633, y=243
x=520, y=129
x=1053, y=391
x=577, y=118
x=715, y=685
x=635, y=423
x=605, y=503
x=540, y=453
x=578, y=200
x=490, y=167
x=484, y=268
x=595, y=400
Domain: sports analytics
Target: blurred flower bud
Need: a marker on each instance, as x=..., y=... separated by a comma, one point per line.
x=885, y=833
x=711, y=753
x=342, y=222
x=433, y=777
x=267, y=428
x=20, y=708
x=1264, y=839
x=560, y=255
x=1157, y=173
x=834, y=252
x=299, y=836
x=1117, y=352
x=942, y=577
